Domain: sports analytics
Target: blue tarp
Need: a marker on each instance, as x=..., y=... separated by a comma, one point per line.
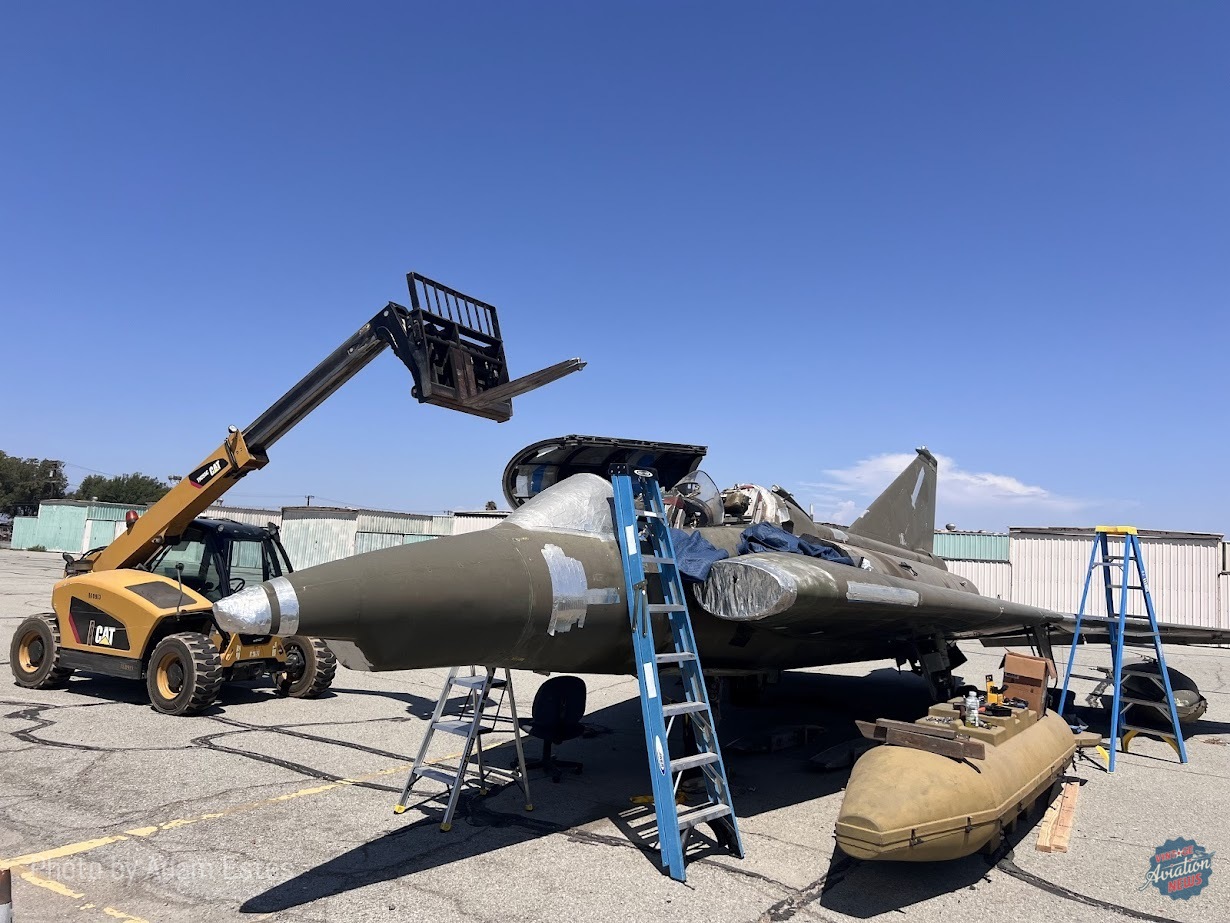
x=766, y=537
x=695, y=555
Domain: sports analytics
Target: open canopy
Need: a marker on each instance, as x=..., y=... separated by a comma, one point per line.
x=538, y=466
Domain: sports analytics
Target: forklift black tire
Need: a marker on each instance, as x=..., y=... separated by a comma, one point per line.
x=319, y=666
x=184, y=674
x=34, y=655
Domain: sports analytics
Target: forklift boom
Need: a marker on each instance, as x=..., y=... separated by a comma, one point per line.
x=452, y=346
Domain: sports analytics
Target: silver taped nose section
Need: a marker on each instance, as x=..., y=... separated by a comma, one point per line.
x=269, y=609
x=247, y=612
x=285, y=607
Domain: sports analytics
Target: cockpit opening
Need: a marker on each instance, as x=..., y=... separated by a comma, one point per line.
x=694, y=502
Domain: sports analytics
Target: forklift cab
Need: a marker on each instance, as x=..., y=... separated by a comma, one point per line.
x=221, y=557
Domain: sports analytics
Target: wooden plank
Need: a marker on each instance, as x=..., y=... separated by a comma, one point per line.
x=1066, y=821
x=1046, y=832
x=957, y=749
x=871, y=731
x=931, y=730
x=1056, y=830
x=905, y=734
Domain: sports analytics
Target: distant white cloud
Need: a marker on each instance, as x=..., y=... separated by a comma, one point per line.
x=973, y=499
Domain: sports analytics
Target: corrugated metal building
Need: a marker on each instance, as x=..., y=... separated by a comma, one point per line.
x=1189, y=572
x=981, y=557
x=80, y=525
x=70, y=525
x=248, y=515
x=315, y=534
x=24, y=532
x=1049, y=566
x=310, y=534
x=476, y=520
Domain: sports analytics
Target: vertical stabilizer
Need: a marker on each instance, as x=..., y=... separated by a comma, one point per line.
x=904, y=515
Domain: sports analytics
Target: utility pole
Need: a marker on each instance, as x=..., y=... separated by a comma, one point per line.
x=309, y=497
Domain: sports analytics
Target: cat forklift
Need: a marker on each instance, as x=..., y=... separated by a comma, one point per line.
x=142, y=606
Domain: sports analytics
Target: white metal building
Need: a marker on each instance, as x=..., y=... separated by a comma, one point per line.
x=1046, y=567
x=315, y=534
x=1049, y=566
x=310, y=534
x=981, y=557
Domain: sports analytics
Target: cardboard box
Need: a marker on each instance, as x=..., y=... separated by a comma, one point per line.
x=1026, y=677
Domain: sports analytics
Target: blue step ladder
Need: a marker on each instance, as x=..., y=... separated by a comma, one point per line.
x=643, y=535
x=1116, y=620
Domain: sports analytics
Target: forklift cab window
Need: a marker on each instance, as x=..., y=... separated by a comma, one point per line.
x=253, y=561
x=248, y=564
x=200, y=566
x=695, y=501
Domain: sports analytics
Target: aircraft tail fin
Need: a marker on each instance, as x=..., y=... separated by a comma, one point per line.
x=904, y=515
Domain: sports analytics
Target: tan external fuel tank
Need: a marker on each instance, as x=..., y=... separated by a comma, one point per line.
x=907, y=804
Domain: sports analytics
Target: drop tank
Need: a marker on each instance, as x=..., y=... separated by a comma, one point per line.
x=907, y=803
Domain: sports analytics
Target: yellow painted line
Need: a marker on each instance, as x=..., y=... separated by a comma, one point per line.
x=64, y=890
x=41, y=882
x=120, y=915
x=72, y=849
x=61, y=851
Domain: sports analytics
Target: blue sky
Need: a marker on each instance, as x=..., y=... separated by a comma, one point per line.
x=844, y=229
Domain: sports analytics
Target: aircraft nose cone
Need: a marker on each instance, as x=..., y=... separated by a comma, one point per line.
x=451, y=600
x=269, y=609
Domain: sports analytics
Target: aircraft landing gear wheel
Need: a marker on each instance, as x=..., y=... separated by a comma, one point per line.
x=184, y=674
x=310, y=667
x=34, y=655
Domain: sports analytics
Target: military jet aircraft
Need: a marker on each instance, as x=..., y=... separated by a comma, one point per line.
x=543, y=590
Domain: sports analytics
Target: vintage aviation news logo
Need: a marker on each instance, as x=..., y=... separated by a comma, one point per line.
x=1179, y=869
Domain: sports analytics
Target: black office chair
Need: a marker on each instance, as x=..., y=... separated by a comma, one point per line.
x=558, y=708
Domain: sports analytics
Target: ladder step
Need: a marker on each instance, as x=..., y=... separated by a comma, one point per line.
x=1145, y=730
x=475, y=682
x=683, y=708
x=648, y=514
x=667, y=607
x=702, y=815
x=1131, y=700
x=691, y=762
x=460, y=728
x=677, y=657
x=656, y=562
x=438, y=775
x=1131, y=586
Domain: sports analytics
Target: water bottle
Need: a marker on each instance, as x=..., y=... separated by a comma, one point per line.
x=971, y=709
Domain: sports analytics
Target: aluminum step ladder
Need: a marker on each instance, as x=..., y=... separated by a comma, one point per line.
x=480, y=715
x=648, y=556
x=1116, y=621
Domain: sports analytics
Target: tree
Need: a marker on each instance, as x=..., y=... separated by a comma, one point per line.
x=134, y=489
x=26, y=481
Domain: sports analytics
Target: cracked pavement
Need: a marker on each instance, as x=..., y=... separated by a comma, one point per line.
x=268, y=808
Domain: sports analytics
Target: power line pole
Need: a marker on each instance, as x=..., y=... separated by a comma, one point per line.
x=309, y=497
